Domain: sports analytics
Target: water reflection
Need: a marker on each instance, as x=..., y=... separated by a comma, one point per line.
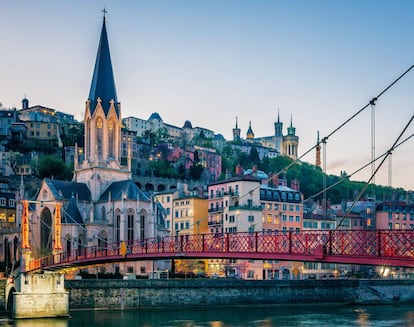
x=47, y=322
x=249, y=316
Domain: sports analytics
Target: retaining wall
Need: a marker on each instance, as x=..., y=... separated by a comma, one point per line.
x=141, y=294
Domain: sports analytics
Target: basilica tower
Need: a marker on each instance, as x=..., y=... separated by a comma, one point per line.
x=101, y=165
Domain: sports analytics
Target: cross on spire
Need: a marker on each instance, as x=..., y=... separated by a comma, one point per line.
x=104, y=11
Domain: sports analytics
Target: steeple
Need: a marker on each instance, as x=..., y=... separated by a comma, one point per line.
x=278, y=126
x=236, y=132
x=291, y=129
x=103, y=123
x=103, y=82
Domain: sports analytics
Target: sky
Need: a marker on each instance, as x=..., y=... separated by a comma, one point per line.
x=316, y=63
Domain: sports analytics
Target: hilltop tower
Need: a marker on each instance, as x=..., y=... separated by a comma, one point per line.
x=250, y=134
x=102, y=165
x=290, y=142
x=278, y=138
x=236, y=132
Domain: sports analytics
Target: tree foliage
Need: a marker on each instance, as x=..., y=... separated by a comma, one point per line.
x=53, y=167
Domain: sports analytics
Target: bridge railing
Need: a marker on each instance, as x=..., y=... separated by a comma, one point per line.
x=369, y=244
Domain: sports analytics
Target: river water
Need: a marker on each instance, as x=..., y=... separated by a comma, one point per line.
x=248, y=316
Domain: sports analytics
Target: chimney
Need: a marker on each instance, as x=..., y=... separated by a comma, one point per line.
x=275, y=180
x=295, y=184
x=239, y=170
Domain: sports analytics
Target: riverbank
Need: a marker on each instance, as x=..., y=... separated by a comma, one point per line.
x=150, y=294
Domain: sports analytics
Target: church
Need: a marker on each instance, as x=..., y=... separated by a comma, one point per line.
x=102, y=204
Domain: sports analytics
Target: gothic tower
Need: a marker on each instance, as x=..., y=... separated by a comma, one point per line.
x=236, y=132
x=102, y=120
x=291, y=142
x=278, y=137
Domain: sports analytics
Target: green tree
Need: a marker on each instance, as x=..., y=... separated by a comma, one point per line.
x=53, y=167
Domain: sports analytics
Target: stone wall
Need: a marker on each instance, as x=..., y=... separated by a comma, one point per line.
x=135, y=294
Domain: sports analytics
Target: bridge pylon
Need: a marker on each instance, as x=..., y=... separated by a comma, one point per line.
x=37, y=293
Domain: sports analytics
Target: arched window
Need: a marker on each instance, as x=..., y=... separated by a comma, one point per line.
x=142, y=225
x=111, y=138
x=130, y=226
x=99, y=137
x=88, y=138
x=102, y=240
x=80, y=245
x=68, y=245
x=46, y=230
x=118, y=225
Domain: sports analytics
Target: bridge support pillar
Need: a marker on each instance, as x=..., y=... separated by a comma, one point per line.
x=26, y=256
x=41, y=295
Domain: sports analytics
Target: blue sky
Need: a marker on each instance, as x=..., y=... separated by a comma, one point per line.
x=210, y=61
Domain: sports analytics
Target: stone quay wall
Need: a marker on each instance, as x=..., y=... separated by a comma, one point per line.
x=145, y=294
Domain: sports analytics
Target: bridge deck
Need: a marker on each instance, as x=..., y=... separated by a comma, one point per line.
x=380, y=247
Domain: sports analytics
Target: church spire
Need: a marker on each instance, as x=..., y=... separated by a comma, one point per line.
x=103, y=81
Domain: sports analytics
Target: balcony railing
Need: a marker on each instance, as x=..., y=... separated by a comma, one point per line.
x=245, y=207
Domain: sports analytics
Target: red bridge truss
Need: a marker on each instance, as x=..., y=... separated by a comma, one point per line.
x=378, y=247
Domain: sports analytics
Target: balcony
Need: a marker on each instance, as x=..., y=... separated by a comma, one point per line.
x=215, y=222
x=245, y=207
x=216, y=209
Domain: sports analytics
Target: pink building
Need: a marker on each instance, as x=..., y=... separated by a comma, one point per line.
x=395, y=215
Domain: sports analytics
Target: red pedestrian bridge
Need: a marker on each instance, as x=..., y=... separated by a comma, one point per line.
x=376, y=247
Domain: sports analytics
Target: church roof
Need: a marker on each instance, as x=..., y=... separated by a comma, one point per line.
x=187, y=124
x=127, y=187
x=103, y=82
x=71, y=214
x=155, y=116
x=63, y=190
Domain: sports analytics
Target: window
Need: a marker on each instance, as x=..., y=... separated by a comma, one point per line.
x=118, y=224
x=250, y=219
x=130, y=224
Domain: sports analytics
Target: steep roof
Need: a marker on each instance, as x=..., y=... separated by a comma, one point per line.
x=155, y=116
x=103, y=81
x=71, y=214
x=127, y=187
x=63, y=190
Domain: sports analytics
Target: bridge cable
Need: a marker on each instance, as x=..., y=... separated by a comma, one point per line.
x=372, y=176
x=345, y=177
x=325, y=139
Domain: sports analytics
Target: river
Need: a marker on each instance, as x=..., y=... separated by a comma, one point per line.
x=249, y=316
